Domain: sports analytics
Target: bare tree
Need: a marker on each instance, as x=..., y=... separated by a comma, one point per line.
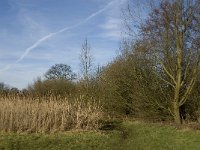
x=172, y=33
x=86, y=60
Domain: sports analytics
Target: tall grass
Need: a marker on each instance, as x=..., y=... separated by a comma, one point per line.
x=26, y=114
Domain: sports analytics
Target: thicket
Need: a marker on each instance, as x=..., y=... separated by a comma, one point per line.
x=156, y=77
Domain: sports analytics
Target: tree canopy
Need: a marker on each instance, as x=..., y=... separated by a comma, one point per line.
x=60, y=71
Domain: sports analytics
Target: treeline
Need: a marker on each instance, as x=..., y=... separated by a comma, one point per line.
x=156, y=76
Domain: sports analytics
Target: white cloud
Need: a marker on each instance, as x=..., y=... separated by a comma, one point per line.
x=113, y=21
x=33, y=28
x=112, y=28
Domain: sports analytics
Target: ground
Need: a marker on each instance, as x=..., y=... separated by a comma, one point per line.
x=130, y=136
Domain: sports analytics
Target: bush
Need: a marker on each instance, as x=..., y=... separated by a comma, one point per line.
x=54, y=87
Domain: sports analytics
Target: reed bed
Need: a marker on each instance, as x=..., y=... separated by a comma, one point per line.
x=42, y=115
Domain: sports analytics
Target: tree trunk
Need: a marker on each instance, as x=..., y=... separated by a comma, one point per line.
x=177, y=117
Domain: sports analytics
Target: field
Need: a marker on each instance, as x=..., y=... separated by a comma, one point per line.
x=131, y=84
x=130, y=136
x=64, y=124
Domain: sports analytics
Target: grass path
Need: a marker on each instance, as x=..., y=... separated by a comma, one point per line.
x=153, y=137
x=131, y=136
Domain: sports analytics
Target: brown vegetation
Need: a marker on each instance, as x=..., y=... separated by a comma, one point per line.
x=49, y=114
x=156, y=77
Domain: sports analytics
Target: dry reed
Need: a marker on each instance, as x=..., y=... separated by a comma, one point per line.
x=22, y=114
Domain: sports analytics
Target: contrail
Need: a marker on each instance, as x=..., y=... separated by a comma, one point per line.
x=37, y=43
x=60, y=31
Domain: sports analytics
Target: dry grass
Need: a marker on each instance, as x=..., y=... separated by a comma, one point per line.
x=22, y=114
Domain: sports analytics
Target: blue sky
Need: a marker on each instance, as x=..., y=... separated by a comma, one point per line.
x=36, y=34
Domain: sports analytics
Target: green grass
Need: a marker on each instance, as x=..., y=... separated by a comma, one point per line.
x=131, y=136
x=153, y=137
x=64, y=141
